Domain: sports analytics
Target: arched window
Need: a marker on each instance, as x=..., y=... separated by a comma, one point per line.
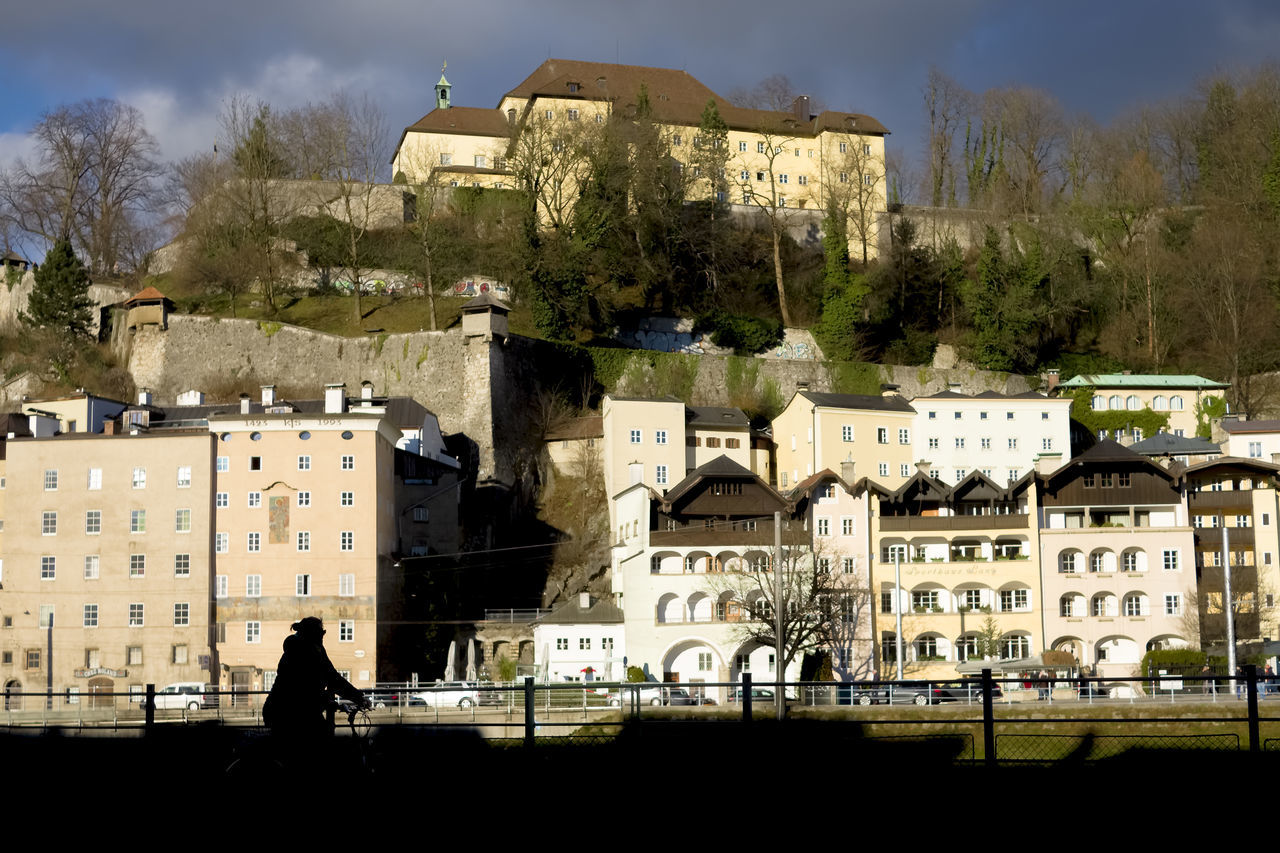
x=926, y=648
x=1160, y=403
x=1132, y=403
x=1068, y=562
x=1136, y=604
x=1099, y=403
x=1175, y=403
x=1114, y=402
x=1015, y=646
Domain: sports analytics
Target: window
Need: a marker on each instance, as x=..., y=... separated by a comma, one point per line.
x=1046, y=444
x=985, y=443
x=660, y=436
x=184, y=476
x=182, y=521
x=704, y=661
x=48, y=524
x=252, y=586
x=1172, y=604
x=959, y=443
x=348, y=463
x=1013, y=444
x=846, y=433
x=221, y=500
x=1255, y=450
x=759, y=147
x=304, y=463
x=223, y=465
x=133, y=656
x=254, y=542
x=220, y=586
x=904, y=436
x=1175, y=403
x=1170, y=560
x=824, y=526
x=802, y=180
x=252, y=632
x=1135, y=605
x=304, y=540
x=904, y=470
x=48, y=568
x=882, y=435
x=926, y=600
x=584, y=644
x=95, y=479
x=91, y=616
x=181, y=565
x=1015, y=647
x=844, y=147
x=136, y=613
x=91, y=567
x=181, y=614
x=958, y=415
x=51, y=480
x=137, y=565
x=302, y=585
x=1129, y=561
x=255, y=500
x=346, y=631
x=137, y=521
x=178, y=653
x=346, y=541
x=346, y=585
x=347, y=499
x=660, y=475
x=1012, y=600
x=304, y=500
x=1068, y=563
x=220, y=543
x=782, y=179
x=139, y=478
x=933, y=444
x=884, y=469
x=846, y=526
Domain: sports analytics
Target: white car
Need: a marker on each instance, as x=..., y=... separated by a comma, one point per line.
x=184, y=694
x=447, y=694
x=649, y=695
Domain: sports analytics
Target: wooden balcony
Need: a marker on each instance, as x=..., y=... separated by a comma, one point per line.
x=922, y=523
x=1232, y=498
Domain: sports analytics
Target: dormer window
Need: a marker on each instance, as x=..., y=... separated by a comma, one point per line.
x=573, y=87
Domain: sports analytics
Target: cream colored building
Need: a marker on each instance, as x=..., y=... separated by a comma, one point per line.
x=78, y=412
x=779, y=159
x=821, y=430
x=658, y=442
x=1174, y=395
x=948, y=558
x=109, y=537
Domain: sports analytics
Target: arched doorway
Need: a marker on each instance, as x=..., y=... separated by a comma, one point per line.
x=100, y=690
x=13, y=695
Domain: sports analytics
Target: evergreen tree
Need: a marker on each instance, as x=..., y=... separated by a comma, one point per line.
x=60, y=300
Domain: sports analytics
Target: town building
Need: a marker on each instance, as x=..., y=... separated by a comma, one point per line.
x=1000, y=435
x=1118, y=556
x=581, y=640
x=959, y=564
x=108, y=556
x=1233, y=509
x=1180, y=397
x=820, y=430
x=1251, y=439
x=1183, y=449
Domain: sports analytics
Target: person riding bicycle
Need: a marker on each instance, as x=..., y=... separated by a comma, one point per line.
x=305, y=685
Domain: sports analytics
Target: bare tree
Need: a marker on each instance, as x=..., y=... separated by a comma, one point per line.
x=946, y=105
x=93, y=181
x=854, y=180
x=548, y=161
x=1031, y=127
x=760, y=180
x=824, y=608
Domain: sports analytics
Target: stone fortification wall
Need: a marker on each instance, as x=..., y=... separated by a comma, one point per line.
x=491, y=391
x=14, y=300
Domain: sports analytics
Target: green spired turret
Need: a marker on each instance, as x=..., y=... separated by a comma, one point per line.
x=442, y=90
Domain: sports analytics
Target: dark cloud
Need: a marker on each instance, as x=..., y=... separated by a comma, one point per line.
x=182, y=60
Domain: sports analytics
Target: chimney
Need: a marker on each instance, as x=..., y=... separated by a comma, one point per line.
x=191, y=398
x=635, y=471
x=366, y=392
x=800, y=106
x=846, y=471
x=923, y=466
x=1275, y=458
x=1047, y=463
x=110, y=426
x=268, y=396
x=584, y=601
x=1053, y=378
x=144, y=396
x=335, y=398
x=244, y=404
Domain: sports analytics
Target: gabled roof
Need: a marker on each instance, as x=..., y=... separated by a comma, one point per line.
x=147, y=294
x=1108, y=452
x=1141, y=380
x=920, y=480
x=720, y=468
x=485, y=300
x=989, y=395
x=978, y=486
x=1168, y=444
x=876, y=402
x=1232, y=462
x=806, y=486
x=475, y=121
x=601, y=611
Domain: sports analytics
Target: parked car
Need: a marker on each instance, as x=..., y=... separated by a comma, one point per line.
x=758, y=695
x=651, y=694
x=379, y=698
x=192, y=695
x=446, y=694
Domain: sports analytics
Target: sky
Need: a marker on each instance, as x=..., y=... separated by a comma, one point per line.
x=180, y=63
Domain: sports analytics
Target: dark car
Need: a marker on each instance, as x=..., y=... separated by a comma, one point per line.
x=758, y=695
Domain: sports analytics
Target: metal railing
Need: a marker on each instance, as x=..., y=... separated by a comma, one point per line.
x=1029, y=719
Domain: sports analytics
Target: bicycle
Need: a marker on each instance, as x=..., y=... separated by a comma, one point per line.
x=262, y=754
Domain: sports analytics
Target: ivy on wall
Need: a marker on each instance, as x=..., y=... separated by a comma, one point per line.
x=1114, y=419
